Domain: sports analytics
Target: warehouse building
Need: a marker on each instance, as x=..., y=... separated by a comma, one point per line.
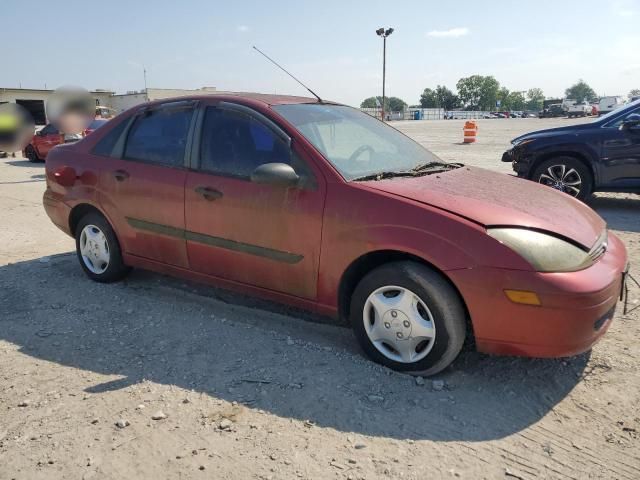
x=34, y=100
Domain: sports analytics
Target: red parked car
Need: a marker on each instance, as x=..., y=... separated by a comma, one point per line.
x=320, y=206
x=47, y=138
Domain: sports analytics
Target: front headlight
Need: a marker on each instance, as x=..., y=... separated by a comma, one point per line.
x=544, y=252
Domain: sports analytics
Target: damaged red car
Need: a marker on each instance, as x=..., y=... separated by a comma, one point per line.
x=323, y=207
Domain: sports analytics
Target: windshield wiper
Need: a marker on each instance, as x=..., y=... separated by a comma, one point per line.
x=431, y=166
x=383, y=175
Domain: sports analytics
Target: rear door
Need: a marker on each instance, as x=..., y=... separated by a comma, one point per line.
x=142, y=188
x=621, y=154
x=261, y=235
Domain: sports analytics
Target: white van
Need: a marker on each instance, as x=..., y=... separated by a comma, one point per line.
x=608, y=104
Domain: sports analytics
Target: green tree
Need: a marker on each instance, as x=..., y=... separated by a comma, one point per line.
x=504, y=97
x=441, y=97
x=391, y=104
x=581, y=92
x=478, y=92
x=535, y=99
x=446, y=98
x=428, y=98
x=634, y=93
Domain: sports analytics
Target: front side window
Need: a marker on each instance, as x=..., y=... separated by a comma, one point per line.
x=234, y=143
x=354, y=142
x=616, y=123
x=159, y=136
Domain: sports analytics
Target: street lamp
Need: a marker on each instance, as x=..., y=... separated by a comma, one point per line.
x=384, y=33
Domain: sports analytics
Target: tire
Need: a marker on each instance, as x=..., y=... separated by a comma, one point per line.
x=436, y=316
x=32, y=155
x=549, y=173
x=98, y=249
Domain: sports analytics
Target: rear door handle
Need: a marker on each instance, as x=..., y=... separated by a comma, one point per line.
x=208, y=193
x=120, y=175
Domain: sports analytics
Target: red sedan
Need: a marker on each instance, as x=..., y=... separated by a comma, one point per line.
x=47, y=138
x=320, y=206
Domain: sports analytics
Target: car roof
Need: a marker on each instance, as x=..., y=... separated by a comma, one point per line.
x=249, y=98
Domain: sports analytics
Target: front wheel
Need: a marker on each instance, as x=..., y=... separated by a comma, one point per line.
x=31, y=154
x=409, y=318
x=98, y=249
x=567, y=175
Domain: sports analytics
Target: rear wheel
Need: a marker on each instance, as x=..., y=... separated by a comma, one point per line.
x=567, y=175
x=98, y=249
x=409, y=318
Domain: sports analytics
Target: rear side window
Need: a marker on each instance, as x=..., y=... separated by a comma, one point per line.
x=105, y=145
x=235, y=144
x=159, y=136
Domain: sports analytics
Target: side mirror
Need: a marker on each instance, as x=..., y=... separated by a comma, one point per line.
x=279, y=174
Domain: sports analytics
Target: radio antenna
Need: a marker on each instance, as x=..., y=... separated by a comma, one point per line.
x=281, y=68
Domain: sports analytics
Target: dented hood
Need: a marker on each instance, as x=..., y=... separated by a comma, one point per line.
x=491, y=198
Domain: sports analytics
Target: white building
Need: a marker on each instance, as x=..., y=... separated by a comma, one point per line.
x=34, y=100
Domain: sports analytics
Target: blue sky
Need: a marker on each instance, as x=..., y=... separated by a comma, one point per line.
x=331, y=45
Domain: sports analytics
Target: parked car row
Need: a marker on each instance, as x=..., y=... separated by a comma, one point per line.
x=320, y=206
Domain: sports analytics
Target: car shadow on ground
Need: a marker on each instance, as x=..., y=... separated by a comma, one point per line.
x=198, y=338
x=24, y=163
x=620, y=212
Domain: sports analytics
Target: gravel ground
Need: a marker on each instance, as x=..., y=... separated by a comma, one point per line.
x=157, y=378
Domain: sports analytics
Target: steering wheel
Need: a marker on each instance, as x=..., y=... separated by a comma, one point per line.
x=360, y=150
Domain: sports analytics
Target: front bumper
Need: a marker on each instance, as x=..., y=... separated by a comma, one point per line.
x=520, y=162
x=576, y=307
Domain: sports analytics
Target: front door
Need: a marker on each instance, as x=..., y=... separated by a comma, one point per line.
x=621, y=154
x=143, y=191
x=261, y=235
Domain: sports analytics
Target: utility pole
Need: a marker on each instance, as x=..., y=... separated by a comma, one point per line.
x=384, y=33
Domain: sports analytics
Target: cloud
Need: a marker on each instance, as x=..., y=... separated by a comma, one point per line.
x=242, y=28
x=451, y=33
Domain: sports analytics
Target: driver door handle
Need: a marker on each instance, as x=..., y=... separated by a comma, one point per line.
x=120, y=175
x=208, y=193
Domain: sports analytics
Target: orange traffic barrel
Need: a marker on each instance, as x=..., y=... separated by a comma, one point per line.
x=470, y=131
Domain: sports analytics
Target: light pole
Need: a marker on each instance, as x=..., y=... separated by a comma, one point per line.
x=384, y=33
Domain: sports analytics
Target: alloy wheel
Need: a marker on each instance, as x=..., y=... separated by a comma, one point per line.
x=561, y=178
x=399, y=324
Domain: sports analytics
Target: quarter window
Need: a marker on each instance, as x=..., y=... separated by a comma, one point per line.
x=106, y=144
x=234, y=143
x=159, y=136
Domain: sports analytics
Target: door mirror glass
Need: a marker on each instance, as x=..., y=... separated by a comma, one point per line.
x=279, y=174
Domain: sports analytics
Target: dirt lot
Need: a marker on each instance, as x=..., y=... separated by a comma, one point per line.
x=156, y=378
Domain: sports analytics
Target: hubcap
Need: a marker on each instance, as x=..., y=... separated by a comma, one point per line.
x=399, y=324
x=563, y=179
x=94, y=249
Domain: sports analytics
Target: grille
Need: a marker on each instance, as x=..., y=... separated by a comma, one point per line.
x=599, y=248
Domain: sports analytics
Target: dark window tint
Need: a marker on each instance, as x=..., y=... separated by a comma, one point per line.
x=159, y=136
x=234, y=143
x=105, y=145
x=50, y=130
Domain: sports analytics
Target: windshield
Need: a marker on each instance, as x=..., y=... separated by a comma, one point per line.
x=357, y=144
